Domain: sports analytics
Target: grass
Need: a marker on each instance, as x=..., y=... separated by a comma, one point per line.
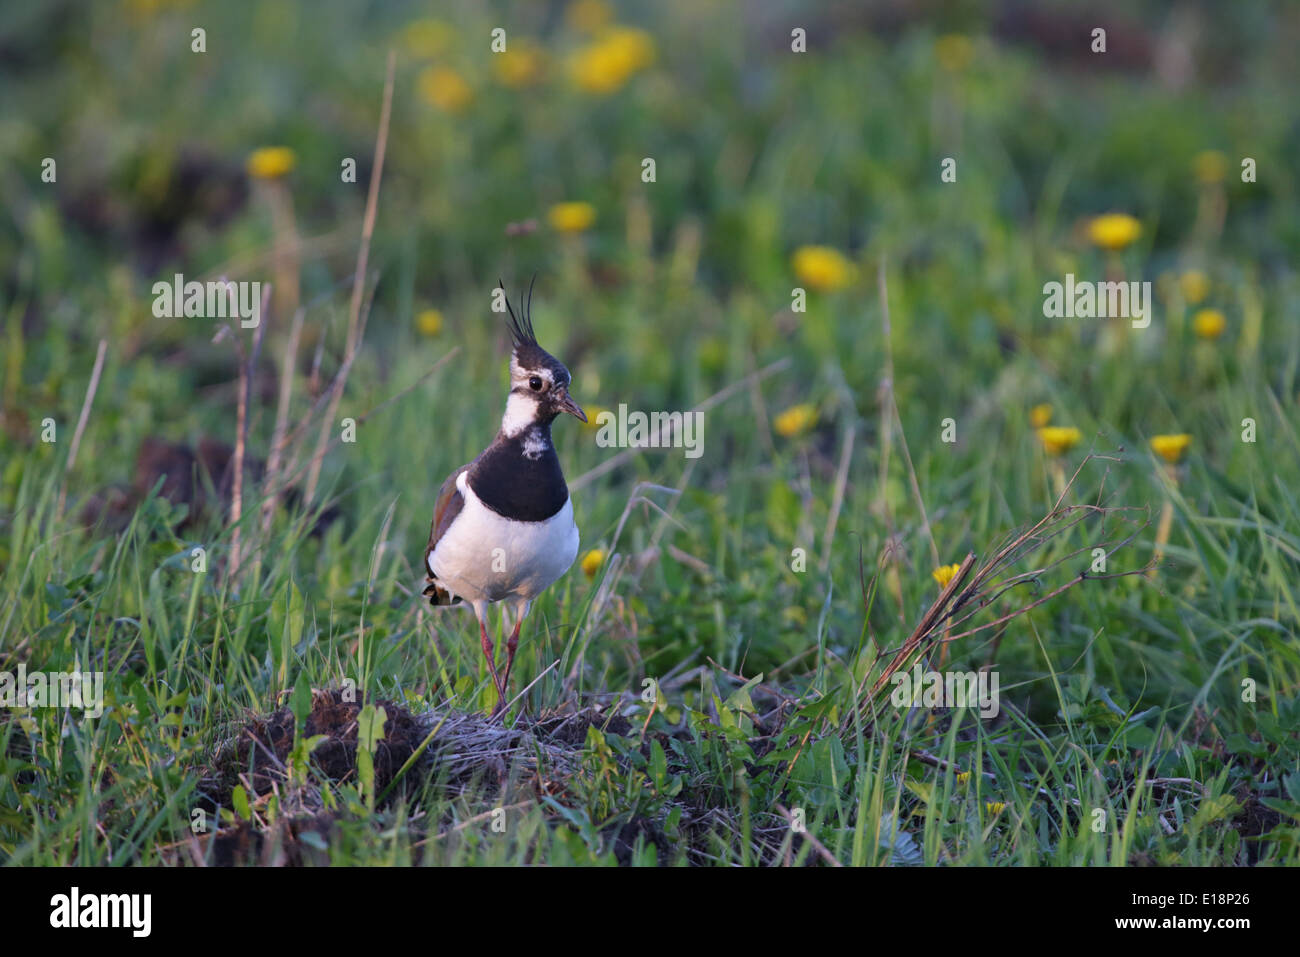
x=717, y=691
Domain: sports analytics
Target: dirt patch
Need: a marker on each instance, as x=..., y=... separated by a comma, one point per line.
x=626, y=835
x=1255, y=821
x=297, y=841
x=200, y=478
x=258, y=755
x=465, y=752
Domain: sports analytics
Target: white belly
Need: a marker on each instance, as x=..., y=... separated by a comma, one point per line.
x=485, y=557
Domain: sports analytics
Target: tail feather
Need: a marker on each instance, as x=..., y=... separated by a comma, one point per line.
x=438, y=595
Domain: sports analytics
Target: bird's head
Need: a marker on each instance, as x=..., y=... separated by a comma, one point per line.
x=539, y=382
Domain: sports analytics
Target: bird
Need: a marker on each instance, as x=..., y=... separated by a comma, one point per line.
x=503, y=527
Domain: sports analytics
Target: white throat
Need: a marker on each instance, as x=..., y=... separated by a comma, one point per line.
x=521, y=412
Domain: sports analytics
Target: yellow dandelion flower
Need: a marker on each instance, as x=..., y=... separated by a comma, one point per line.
x=1113, y=230
x=995, y=807
x=944, y=574
x=592, y=561
x=427, y=38
x=446, y=89
x=1171, y=448
x=594, y=412
x=1057, y=439
x=429, y=322
x=588, y=16
x=605, y=65
x=593, y=69
x=795, y=420
x=1194, y=285
x=963, y=777
x=271, y=162
x=636, y=47
x=1210, y=166
x=1209, y=323
x=520, y=65
x=954, y=51
x=823, y=268
x=1040, y=415
x=575, y=217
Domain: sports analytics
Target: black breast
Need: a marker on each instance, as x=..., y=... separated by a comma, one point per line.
x=516, y=486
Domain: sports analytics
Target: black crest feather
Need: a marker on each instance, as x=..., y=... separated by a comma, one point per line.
x=521, y=325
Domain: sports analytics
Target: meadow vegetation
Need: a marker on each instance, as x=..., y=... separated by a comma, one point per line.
x=882, y=392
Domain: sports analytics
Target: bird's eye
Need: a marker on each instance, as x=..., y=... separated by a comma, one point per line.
x=535, y=383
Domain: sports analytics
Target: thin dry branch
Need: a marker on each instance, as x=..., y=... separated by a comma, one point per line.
x=246, y=368
x=91, y=389
x=890, y=415
x=290, y=473
x=837, y=496
x=358, y=285
x=324, y=395
x=975, y=588
x=281, y=420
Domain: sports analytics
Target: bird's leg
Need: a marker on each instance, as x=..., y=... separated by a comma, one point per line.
x=488, y=652
x=511, y=644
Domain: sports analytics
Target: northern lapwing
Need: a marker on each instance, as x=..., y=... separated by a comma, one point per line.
x=503, y=526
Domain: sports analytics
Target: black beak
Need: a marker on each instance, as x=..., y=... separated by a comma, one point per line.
x=566, y=404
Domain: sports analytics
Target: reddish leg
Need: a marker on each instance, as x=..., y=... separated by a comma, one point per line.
x=488, y=652
x=511, y=644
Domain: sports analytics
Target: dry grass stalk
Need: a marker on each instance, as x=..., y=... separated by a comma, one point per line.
x=358, y=285
x=289, y=473
x=295, y=436
x=885, y=395
x=246, y=367
x=467, y=743
x=276, y=455
x=91, y=389
x=974, y=588
x=889, y=416
x=837, y=496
